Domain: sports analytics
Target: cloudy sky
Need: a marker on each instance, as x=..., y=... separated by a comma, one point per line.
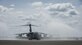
x=60, y=18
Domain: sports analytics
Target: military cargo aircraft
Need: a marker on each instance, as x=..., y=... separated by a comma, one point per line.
x=32, y=35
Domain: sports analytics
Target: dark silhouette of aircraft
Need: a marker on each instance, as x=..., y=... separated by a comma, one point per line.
x=32, y=35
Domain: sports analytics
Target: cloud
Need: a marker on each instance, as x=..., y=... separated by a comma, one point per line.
x=38, y=5
x=58, y=9
x=67, y=9
x=5, y=9
x=73, y=12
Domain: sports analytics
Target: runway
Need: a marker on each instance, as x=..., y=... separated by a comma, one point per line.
x=40, y=42
x=15, y=41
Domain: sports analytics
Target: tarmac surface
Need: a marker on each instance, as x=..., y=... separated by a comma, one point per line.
x=40, y=42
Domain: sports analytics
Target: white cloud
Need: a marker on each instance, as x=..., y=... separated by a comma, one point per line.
x=5, y=9
x=38, y=5
x=67, y=9
x=60, y=7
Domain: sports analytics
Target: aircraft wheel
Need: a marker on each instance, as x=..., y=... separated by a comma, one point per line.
x=30, y=38
x=37, y=38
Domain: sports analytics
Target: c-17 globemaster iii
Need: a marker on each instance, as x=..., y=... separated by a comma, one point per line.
x=32, y=35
